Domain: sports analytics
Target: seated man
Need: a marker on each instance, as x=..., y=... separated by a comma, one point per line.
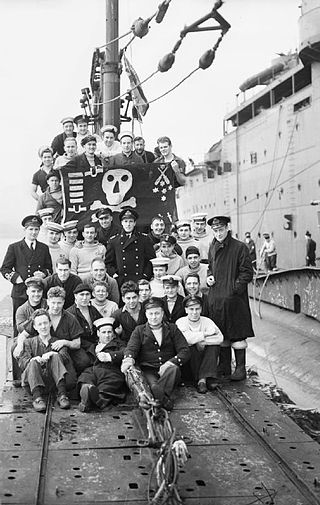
x=173, y=302
x=40, y=363
x=98, y=272
x=103, y=383
x=100, y=300
x=35, y=301
x=194, y=267
x=204, y=339
x=132, y=313
x=105, y=227
x=144, y=290
x=159, y=349
x=64, y=327
x=85, y=314
x=63, y=278
x=85, y=252
x=167, y=250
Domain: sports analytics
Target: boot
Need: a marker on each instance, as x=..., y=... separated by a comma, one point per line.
x=224, y=367
x=240, y=373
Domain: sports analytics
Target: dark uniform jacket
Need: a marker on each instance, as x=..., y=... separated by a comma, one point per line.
x=129, y=257
x=145, y=350
x=21, y=260
x=128, y=324
x=88, y=334
x=121, y=160
x=35, y=347
x=311, y=251
x=69, y=286
x=104, y=234
x=228, y=303
x=57, y=144
x=147, y=157
x=177, y=311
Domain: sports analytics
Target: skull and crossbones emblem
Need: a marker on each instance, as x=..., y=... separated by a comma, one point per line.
x=115, y=184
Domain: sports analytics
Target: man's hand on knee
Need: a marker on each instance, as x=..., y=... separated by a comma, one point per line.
x=164, y=367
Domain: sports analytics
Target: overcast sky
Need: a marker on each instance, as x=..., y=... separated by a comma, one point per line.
x=46, y=51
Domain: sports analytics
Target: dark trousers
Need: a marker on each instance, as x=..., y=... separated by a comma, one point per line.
x=16, y=372
x=203, y=363
x=271, y=262
x=80, y=359
x=37, y=375
x=164, y=385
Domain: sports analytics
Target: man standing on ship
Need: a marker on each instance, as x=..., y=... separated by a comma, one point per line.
x=310, y=250
x=24, y=259
x=269, y=253
x=230, y=271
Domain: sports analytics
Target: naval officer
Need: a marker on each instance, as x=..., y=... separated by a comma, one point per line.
x=129, y=253
x=23, y=259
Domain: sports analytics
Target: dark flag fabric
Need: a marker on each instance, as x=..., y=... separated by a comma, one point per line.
x=149, y=188
x=138, y=97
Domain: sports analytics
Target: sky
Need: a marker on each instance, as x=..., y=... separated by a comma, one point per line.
x=47, y=47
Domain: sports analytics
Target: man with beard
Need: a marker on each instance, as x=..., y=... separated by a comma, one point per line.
x=139, y=148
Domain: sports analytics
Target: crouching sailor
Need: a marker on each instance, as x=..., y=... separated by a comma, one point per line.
x=41, y=365
x=204, y=339
x=103, y=383
x=160, y=350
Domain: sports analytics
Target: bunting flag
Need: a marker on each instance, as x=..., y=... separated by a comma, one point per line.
x=149, y=188
x=138, y=97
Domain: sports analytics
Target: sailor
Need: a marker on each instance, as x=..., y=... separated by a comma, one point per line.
x=129, y=253
x=139, y=148
x=53, y=238
x=251, y=248
x=85, y=251
x=108, y=146
x=39, y=362
x=173, y=301
x=23, y=259
x=46, y=215
x=100, y=299
x=160, y=350
x=105, y=227
x=57, y=144
x=204, y=339
x=34, y=289
x=144, y=290
x=185, y=239
x=159, y=269
x=194, y=266
x=85, y=314
x=98, y=272
x=132, y=313
x=166, y=156
x=157, y=228
x=52, y=197
x=39, y=178
x=167, y=250
x=87, y=161
x=230, y=271
x=201, y=233
x=127, y=155
x=82, y=124
x=268, y=253
x=103, y=383
x=310, y=250
x=64, y=279
x=70, y=235
x=70, y=151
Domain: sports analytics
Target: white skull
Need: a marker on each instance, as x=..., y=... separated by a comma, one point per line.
x=116, y=184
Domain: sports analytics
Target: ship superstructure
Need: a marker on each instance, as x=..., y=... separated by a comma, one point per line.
x=265, y=171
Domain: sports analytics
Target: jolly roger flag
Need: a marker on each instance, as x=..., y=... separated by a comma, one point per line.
x=149, y=188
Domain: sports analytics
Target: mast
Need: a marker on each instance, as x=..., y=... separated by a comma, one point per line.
x=110, y=67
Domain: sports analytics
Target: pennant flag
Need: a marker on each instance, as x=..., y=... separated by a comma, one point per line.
x=138, y=97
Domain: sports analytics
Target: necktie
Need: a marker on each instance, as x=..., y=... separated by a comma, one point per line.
x=33, y=246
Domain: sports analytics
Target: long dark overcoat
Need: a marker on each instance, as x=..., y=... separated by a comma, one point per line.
x=228, y=302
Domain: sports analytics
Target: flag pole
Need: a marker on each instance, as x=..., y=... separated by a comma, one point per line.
x=110, y=67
